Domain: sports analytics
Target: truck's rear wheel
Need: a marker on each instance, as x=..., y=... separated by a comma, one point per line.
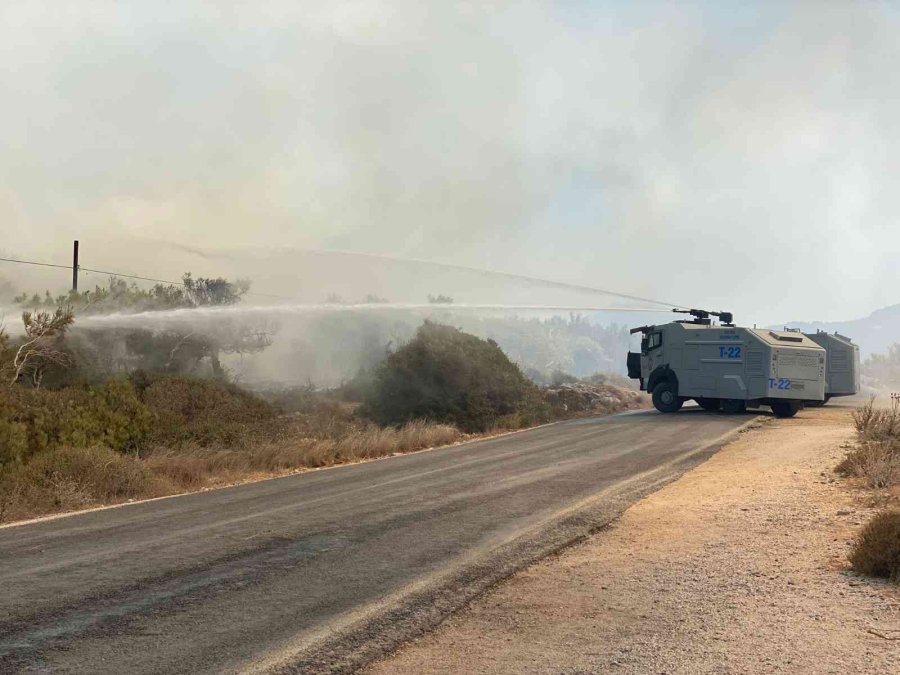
x=785, y=408
x=817, y=404
x=711, y=404
x=665, y=398
x=733, y=406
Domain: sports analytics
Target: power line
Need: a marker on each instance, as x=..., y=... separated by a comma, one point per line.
x=507, y=275
x=127, y=276
x=171, y=283
x=32, y=262
x=132, y=276
x=495, y=273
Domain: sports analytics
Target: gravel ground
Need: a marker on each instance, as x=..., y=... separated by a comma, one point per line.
x=739, y=566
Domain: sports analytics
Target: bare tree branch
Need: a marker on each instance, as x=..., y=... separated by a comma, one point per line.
x=39, y=350
x=175, y=349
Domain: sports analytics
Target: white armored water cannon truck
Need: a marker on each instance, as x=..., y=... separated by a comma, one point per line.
x=724, y=367
x=842, y=364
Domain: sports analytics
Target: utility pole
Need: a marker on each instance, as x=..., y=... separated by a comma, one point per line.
x=75, y=267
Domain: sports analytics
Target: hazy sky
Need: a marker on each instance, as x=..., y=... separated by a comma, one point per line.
x=742, y=156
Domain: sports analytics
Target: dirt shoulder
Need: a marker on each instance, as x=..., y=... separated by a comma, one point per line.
x=739, y=566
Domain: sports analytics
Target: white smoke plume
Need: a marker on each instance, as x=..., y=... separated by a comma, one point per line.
x=732, y=155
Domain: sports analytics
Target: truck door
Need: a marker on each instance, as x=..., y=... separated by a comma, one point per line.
x=651, y=350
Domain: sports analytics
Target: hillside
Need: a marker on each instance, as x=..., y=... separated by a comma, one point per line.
x=873, y=333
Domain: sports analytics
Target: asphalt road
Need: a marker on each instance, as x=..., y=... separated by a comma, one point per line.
x=326, y=570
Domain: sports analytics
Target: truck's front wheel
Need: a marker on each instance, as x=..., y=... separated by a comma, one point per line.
x=665, y=397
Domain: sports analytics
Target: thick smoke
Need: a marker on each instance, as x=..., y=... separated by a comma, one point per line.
x=739, y=156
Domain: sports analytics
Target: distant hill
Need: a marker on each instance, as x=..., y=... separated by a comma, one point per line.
x=874, y=333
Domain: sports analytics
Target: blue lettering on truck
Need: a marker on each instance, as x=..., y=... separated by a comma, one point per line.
x=779, y=383
x=729, y=352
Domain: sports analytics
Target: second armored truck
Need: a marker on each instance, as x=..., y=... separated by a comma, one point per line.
x=842, y=364
x=726, y=367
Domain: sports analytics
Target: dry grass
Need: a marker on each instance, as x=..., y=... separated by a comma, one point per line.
x=197, y=467
x=65, y=479
x=68, y=479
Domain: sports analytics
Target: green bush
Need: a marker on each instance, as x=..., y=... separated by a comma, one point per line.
x=202, y=411
x=110, y=414
x=446, y=375
x=35, y=420
x=876, y=551
x=125, y=415
x=13, y=442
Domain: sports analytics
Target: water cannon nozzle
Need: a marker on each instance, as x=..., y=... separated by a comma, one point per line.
x=725, y=317
x=696, y=313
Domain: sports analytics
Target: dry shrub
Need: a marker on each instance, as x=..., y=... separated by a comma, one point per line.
x=71, y=478
x=877, y=457
x=863, y=416
x=876, y=551
x=878, y=462
x=877, y=424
